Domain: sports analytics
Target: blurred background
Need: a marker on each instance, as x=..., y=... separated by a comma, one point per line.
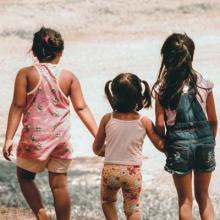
x=104, y=38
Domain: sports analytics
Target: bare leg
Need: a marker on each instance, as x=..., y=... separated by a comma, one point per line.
x=201, y=182
x=110, y=210
x=58, y=185
x=184, y=190
x=31, y=192
x=135, y=216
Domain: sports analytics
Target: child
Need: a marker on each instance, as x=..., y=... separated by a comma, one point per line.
x=41, y=97
x=124, y=131
x=184, y=102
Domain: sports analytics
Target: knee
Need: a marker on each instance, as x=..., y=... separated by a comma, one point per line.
x=186, y=202
x=201, y=196
x=24, y=175
x=55, y=186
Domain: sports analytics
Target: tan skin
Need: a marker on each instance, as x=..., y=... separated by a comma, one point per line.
x=109, y=209
x=26, y=80
x=183, y=184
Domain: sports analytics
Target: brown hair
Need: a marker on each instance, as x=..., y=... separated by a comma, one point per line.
x=46, y=44
x=176, y=67
x=125, y=93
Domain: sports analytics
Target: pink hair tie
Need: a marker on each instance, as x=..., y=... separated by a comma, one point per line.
x=46, y=39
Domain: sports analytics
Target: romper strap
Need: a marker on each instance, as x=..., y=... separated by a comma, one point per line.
x=141, y=117
x=39, y=82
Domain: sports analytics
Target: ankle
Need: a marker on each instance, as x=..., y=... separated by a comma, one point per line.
x=41, y=215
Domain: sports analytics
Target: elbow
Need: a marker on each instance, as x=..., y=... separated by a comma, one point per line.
x=160, y=146
x=18, y=105
x=160, y=130
x=80, y=108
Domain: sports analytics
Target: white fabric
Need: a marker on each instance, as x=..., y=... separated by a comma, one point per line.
x=124, y=141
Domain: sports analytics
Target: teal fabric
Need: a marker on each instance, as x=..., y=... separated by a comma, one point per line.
x=189, y=142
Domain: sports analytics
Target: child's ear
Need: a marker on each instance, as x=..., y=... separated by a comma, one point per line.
x=59, y=54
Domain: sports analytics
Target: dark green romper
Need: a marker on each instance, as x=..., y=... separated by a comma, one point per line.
x=189, y=142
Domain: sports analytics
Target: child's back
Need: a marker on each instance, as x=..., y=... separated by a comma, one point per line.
x=41, y=97
x=120, y=139
x=124, y=140
x=185, y=105
x=46, y=121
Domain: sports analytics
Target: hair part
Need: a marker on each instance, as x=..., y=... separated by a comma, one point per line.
x=47, y=43
x=125, y=93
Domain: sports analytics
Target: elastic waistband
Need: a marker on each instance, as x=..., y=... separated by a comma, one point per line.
x=121, y=165
x=188, y=125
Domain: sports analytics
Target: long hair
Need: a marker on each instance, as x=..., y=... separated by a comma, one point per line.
x=176, y=68
x=126, y=93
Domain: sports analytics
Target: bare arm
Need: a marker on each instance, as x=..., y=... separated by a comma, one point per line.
x=211, y=113
x=159, y=112
x=98, y=144
x=81, y=107
x=156, y=140
x=15, y=112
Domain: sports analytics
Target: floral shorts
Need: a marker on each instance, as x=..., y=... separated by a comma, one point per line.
x=127, y=178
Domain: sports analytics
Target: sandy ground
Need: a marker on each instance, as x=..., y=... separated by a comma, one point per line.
x=159, y=200
x=103, y=38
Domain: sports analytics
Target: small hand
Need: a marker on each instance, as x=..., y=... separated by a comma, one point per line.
x=7, y=149
x=102, y=152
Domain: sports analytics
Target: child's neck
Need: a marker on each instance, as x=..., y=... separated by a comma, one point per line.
x=56, y=60
x=127, y=116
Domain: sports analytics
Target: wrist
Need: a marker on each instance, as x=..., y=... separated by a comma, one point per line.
x=8, y=139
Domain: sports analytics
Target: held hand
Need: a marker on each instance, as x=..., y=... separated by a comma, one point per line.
x=102, y=152
x=7, y=149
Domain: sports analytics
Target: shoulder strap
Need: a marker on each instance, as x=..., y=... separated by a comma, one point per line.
x=111, y=115
x=39, y=82
x=141, y=117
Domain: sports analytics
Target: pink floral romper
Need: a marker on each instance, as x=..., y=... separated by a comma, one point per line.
x=46, y=123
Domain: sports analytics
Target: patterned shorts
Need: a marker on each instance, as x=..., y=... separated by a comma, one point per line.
x=127, y=178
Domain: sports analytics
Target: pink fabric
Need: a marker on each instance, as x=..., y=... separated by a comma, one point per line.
x=124, y=141
x=46, y=123
x=206, y=88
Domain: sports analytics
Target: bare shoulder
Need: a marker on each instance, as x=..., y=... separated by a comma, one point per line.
x=68, y=75
x=105, y=119
x=25, y=71
x=147, y=123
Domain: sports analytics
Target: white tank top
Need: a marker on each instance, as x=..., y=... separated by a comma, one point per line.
x=124, y=141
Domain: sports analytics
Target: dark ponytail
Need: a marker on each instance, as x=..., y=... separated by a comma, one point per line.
x=46, y=44
x=109, y=94
x=146, y=102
